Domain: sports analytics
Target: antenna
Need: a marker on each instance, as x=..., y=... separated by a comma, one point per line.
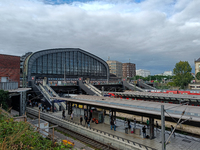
x=108, y=57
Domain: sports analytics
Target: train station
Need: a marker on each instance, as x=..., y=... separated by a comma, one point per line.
x=77, y=83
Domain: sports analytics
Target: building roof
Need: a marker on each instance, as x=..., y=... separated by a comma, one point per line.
x=198, y=60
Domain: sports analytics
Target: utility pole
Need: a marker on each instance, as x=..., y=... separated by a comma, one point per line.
x=134, y=83
x=163, y=127
x=64, y=75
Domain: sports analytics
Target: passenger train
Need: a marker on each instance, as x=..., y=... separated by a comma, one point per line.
x=189, y=92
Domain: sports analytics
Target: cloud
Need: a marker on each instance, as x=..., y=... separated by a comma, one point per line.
x=154, y=34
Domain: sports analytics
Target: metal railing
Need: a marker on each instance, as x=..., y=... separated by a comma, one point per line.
x=8, y=86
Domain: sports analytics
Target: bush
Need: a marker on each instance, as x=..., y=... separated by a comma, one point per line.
x=21, y=135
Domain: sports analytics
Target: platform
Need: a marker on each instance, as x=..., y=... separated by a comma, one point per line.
x=179, y=142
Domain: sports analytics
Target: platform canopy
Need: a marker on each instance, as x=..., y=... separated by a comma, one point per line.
x=140, y=108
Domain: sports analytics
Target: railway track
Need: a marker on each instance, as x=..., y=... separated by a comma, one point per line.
x=93, y=143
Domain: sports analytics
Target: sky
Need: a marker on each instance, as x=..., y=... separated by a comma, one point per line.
x=153, y=34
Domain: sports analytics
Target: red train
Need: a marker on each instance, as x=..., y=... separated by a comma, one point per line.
x=189, y=92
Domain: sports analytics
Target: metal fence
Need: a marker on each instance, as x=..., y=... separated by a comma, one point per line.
x=8, y=86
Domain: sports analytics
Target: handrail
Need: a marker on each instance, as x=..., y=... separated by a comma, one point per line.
x=48, y=87
x=49, y=100
x=91, y=88
x=47, y=96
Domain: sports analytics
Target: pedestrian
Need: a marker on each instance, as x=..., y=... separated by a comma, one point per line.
x=40, y=106
x=129, y=126
x=172, y=128
x=144, y=132
x=156, y=126
x=111, y=124
x=147, y=123
x=72, y=116
x=81, y=119
x=115, y=125
x=126, y=127
x=88, y=123
x=48, y=109
x=86, y=118
x=42, y=109
x=36, y=104
x=30, y=104
x=63, y=114
x=134, y=123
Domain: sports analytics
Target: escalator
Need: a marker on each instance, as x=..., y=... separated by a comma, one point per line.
x=94, y=89
x=132, y=87
x=54, y=93
x=47, y=95
x=145, y=86
x=86, y=88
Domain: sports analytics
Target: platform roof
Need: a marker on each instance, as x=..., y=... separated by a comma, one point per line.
x=19, y=90
x=138, y=107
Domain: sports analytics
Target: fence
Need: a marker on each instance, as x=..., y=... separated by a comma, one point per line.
x=8, y=86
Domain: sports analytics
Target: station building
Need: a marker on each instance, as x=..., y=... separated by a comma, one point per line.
x=9, y=69
x=62, y=64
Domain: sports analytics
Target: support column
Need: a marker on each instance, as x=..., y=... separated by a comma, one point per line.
x=53, y=106
x=22, y=103
x=71, y=108
x=87, y=111
x=114, y=115
x=151, y=127
x=163, y=127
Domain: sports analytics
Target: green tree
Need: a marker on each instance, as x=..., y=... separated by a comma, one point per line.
x=182, y=74
x=198, y=76
x=4, y=99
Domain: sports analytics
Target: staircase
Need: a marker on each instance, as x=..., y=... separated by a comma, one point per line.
x=46, y=95
x=146, y=86
x=94, y=89
x=54, y=93
x=132, y=87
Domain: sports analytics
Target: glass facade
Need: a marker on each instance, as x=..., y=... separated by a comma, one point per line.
x=72, y=63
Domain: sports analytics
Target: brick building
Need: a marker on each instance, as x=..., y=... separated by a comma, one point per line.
x=128, y=70
x=9, y=68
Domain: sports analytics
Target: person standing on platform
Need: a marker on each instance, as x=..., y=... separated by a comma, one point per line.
x=147, y=123
x=134, y=123
x=88, y=123
x=86, y=118
x=129, y=126
x=63, y=114
x=115, y=125
x=156, y=126
x=126, y=127
x=72, y=116
x=172, y=128
x=81, y=119
x=144, y=132
x=111, y=124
